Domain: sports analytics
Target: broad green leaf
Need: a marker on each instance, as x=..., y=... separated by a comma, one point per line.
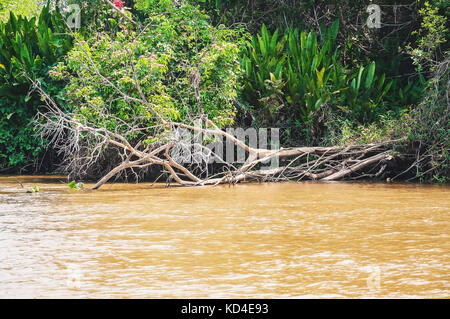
x=320, y=76
x=381, y=82
x=386, y=89
x=316, y=106
x=370, y=75
x=274, y=41
x=358, y=82
x=334, y=30
x=262, y=46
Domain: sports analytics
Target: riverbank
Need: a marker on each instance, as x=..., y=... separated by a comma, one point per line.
x=338, y=101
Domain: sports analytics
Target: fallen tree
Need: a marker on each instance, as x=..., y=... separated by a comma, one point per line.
x=149, y=135
x=298, y=163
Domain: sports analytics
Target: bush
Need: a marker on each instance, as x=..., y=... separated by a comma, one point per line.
x=429, y=128
x=431, y=37
x=28, y=48
x=343, y=132
x=299, y=73
x=176, y=47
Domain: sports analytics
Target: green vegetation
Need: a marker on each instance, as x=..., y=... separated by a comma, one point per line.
x=177, y=47
x=75, y=186
x=27, y=8
x=298, y=74
x=28, y=49
x=431, y=36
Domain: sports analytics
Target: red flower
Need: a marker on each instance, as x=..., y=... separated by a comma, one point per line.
x=119, y=4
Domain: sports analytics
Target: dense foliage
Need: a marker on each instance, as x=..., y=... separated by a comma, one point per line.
x=27, y=8
x=28, y=48
x=165, y=57
x=298, y=74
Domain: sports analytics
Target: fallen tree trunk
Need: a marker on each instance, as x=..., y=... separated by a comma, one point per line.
x=323, y=168
x=356, y=167
x=299, y=163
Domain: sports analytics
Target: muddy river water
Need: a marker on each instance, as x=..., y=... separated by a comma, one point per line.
x=288, y=240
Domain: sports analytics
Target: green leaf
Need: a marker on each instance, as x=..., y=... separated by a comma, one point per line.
x=274, y=41
x=262, y=46
x=358, y=82
x=272, y=77
x=316, y=106
x=381, y=82
x=309, y=41
x=73, y=185
x=112, y=22
x=320, y=76
x=370, y=75
x=386, y=89
x=334, y=30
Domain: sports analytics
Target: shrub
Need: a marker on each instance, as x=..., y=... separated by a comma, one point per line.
x=28, y=48
x=431, y=37
x=297, y=74
x=174, y=48
x=429, y=128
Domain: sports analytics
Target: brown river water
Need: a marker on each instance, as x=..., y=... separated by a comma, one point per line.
x=289, y=240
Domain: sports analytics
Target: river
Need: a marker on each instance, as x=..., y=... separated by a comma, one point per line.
x=287, y=240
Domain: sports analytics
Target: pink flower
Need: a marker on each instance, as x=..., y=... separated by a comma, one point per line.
x=119, y=4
